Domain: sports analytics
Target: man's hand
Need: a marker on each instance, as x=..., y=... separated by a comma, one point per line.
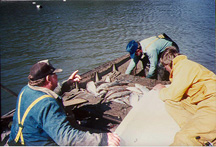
x=113, y=139
x=74, y=77
x=159, y=87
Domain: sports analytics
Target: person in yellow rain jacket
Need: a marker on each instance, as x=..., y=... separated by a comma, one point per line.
x=190, y=99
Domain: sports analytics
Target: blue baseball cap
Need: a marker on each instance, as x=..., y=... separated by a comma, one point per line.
x=132, y=47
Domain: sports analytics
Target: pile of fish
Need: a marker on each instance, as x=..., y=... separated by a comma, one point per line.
x=117, y=91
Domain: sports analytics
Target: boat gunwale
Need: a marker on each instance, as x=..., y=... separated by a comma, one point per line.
x=101, y=70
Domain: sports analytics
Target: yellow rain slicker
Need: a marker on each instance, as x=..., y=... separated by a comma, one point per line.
x=191, y=101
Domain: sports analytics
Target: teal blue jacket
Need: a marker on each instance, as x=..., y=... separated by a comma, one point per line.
x=152, y=52
x=47, y=124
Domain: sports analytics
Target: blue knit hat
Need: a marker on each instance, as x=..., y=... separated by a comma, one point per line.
x=132, y=47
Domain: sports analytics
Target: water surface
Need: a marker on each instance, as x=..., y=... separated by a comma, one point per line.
x=84, y=34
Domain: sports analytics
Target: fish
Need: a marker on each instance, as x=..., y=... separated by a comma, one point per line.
x=115, y=89
x=118, y=101
x=133, y=99
x=102, y=93
x=122, y=100
x=118, y=95
x=134, y=89
x=90, y=87
x=142, y=88
x=106, y=85
x=126, y=100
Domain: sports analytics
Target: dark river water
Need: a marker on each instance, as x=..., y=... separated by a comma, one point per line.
x=84, y=34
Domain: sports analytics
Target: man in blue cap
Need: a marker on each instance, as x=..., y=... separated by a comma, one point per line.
x=148, y=50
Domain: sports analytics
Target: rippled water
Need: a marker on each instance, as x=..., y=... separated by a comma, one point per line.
x=84, y=34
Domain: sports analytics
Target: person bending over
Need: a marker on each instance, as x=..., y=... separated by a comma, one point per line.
x=149, y=50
